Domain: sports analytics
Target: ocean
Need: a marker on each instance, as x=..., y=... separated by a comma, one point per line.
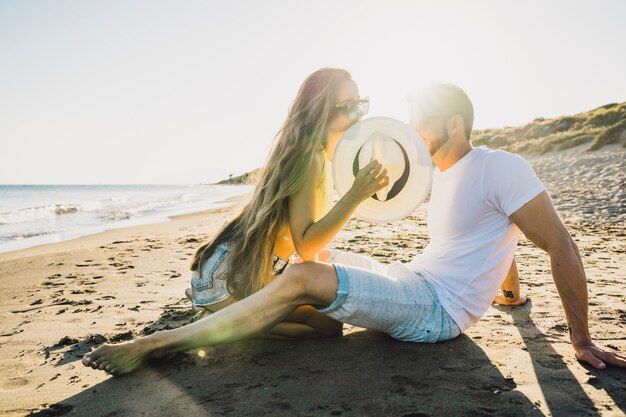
x=32, y=215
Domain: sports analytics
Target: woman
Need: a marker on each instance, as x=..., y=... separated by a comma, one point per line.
x=290, y=207
x=290, y=210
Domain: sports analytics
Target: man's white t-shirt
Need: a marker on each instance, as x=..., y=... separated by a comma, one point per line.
x=472, y=239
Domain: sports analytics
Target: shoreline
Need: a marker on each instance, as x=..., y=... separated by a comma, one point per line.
x=46, y=248
x=105, y=286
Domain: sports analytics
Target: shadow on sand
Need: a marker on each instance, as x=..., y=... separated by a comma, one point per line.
x=361, y=374
x=562, y=391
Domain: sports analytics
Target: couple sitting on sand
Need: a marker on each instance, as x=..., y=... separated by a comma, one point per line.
x=480, y=200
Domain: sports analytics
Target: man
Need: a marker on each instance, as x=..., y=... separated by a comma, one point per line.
x=480, y=201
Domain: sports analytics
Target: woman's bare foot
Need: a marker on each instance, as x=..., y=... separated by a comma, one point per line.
x=123, y=358
x=508, y=300
x=202, y=312
x=120, y=358
x=193, y=306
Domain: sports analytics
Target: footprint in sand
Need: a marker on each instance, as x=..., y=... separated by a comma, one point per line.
x=53, y=410
x=14, y=383
x=106, y=297
x=48, y=283
x=401, y=381
x=278, y=405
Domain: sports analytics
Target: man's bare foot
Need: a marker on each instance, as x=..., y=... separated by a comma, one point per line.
x=503, y=300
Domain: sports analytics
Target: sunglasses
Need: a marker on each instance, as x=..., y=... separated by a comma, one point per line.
x=354, y=108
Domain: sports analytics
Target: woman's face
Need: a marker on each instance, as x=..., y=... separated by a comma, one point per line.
x=348, y=94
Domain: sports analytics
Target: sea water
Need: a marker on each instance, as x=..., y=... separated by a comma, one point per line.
x=32, y=215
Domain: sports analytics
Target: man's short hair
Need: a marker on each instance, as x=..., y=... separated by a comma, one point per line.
x=445, y=100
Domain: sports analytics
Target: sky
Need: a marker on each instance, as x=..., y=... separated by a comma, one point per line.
x=165, y=92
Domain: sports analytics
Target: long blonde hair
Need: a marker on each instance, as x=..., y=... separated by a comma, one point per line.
x=252, y=234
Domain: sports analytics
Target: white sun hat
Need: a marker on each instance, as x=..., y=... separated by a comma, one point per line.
x=401, y=150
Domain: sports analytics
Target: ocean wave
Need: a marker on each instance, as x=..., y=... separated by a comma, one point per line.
x=189, y=197
x=117, y=216
x=138, y=210
x=37, y=213
x=20, y=236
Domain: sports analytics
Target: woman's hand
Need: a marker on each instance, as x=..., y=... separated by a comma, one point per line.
x=370, y=179
x=309, y=234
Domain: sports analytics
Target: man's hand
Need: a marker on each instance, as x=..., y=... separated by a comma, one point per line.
x=598, y=356
x=539, y=221
x=507, y=298
x=511, y=295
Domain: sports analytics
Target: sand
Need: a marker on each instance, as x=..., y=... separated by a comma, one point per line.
x=62, y=299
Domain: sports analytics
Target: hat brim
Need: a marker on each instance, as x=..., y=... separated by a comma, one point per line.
x=417, y=177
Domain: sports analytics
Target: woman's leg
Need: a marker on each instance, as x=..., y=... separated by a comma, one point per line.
x=304, y=322
x=304, y=284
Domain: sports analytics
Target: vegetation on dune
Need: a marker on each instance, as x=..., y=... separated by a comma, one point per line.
x=245, y=179
x=599, y=127
x=614, y=134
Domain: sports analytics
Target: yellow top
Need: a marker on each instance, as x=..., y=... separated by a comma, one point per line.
x=325, y=190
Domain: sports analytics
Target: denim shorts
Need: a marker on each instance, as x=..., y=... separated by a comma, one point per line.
x=209, y=286
x=388, y=298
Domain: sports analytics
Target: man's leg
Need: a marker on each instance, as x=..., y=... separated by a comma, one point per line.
x=307, y=283
x=358, y=260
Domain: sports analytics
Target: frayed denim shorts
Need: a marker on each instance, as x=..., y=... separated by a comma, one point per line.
x=209, y=286
x=388, y=298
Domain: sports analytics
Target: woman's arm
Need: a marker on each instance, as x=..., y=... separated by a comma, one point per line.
x=310, y=236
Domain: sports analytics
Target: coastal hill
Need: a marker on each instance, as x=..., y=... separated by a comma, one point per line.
x=595, y=128
x=247, y=178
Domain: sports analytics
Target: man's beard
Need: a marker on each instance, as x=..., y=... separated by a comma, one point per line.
x=436, y=145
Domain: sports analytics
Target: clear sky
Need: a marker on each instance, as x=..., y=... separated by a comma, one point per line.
x=111, y=92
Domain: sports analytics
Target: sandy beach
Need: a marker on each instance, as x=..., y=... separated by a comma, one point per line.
x=60, y=300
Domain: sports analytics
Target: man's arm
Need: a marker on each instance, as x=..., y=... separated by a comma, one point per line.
x=539, y=221
x=511, y=294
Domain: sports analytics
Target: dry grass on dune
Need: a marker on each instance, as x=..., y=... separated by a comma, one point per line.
x=599, y=127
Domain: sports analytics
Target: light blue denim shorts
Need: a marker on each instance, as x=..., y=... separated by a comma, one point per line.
x=208, y=285
x=373, y=296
